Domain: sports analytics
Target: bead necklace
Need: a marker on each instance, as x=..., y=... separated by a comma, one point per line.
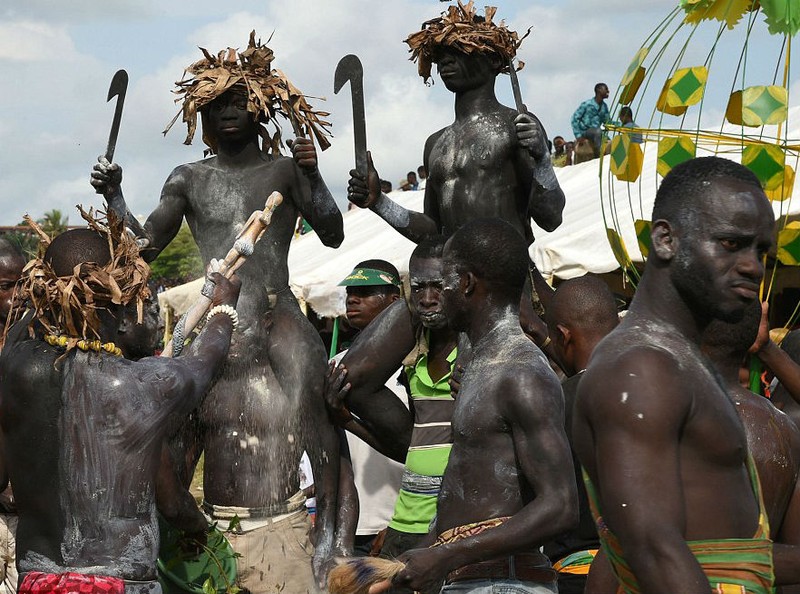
x=85, y=345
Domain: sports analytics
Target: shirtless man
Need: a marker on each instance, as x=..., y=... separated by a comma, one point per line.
x=420, y=436
x=491, y=161
x=267, y=406
x=96, y=415
x=11, y=264
x=655, y=430
x=772, y=437
x=581, y=313
x=509, y=485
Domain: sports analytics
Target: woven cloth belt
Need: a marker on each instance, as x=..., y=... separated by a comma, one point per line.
x=228, y=512
x=525, y=567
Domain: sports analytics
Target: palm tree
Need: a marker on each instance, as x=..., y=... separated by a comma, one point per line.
x=54, y=222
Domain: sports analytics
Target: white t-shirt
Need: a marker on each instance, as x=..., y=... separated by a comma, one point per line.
x=377, y=477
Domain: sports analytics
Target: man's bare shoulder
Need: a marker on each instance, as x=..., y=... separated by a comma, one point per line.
x=641, y=366
x=519, y=369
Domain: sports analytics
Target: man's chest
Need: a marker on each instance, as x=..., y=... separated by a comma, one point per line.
x=480, y=145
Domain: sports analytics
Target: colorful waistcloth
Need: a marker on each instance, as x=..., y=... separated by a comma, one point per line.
x=37, y=582
x=732, y=565
x=467, y=531
x=577, y=563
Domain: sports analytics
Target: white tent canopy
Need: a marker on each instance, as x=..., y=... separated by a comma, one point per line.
x=578, y=246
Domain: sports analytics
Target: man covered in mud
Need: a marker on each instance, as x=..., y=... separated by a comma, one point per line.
x=492, y=161
x=267, y=406
x=675, y=495
x=509, y=485
x=83, y=417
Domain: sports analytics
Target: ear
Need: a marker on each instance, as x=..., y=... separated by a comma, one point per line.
x=564, y=335
x=468, y=283
x=393, y=297
x=663, y=239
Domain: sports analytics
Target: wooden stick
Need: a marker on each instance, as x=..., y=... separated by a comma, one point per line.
x=242, y=248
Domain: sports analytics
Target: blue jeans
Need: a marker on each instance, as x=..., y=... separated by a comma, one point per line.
x=498, y=586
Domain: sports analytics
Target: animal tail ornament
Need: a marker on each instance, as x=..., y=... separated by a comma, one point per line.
x=358, y=574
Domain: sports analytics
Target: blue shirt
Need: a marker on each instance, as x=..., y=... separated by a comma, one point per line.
x=589, y=115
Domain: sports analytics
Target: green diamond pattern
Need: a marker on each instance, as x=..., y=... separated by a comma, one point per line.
x=619, y=154
x=676, y=155
x=764, y=166
x=643, y=236
x=765, y=105
x=687, y=85
x=793, y=248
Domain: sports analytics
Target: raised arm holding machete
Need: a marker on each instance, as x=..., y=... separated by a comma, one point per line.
x=269, y=395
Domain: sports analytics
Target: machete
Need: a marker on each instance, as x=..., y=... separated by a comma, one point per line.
x=515, y=87
x=349, y=69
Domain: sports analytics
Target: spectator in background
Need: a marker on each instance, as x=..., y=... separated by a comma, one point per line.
x=422, y=175
x=562, y=156
x=386, y=186
x=626, y=119
x=588, y=119
x=410, y=183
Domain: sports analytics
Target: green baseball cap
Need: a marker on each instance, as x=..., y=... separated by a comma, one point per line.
x=369, y=277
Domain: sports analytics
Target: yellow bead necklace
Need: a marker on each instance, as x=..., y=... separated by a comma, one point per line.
x=85, y=345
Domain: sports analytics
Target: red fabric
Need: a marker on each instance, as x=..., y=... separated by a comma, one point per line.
x=37, y=582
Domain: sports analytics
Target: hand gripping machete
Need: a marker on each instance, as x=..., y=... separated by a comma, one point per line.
x=349, y=69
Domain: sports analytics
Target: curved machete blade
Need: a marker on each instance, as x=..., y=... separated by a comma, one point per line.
x=119, y=85
x=349, y=69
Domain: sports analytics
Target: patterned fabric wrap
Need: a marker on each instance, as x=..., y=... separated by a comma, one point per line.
x=37, y=582
x=577, y=563
x=732, y=565
x=467, y=530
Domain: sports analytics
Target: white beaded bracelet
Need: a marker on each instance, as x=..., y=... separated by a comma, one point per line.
x=224, y=309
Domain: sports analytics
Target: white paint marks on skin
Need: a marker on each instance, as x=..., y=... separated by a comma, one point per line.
x=252, y=441
x=391, y=212
x=290, y=438
x=640, y=416
x=631, y=375
x=624, y=505
x=623, y=397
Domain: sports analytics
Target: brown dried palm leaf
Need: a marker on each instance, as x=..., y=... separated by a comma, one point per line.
x=67, y=305
x=269, y=93
x=462, y=28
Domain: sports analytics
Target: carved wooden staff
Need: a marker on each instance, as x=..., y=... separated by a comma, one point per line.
x=243, y=247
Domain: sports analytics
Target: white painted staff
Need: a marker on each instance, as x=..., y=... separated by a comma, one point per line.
x=243, y=247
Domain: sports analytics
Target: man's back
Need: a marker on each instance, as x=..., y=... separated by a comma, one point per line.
x=99, y=423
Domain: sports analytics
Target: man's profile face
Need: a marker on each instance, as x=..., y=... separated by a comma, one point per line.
x=426, y=281
x=453, y=302
x=603, y=92
x=718, y=265
x=227, y=117
x=460, y=71
x=10, y=270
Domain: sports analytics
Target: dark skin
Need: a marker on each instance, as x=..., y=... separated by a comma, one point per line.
x=510, y=455
x=270, y=391
x=363, y=305
x=11, y=264
x=490, y=162
x=668, y=457
x=99, y=423
x=358, y=383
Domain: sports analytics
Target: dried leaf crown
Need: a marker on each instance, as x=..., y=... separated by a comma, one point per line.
x=268, y=91
x=68, y=305
x=462, y=28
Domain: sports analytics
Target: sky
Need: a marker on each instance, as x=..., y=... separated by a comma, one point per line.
x=57, y=59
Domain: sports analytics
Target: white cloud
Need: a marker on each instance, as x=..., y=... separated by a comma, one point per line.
x=32, y=41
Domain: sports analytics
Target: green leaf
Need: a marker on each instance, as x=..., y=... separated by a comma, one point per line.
x=235, y=525
x=209, y=587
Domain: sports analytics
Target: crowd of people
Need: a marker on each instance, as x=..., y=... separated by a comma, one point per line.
x=482, y=433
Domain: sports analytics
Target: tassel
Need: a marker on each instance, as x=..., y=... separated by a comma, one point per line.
x=356, y=575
